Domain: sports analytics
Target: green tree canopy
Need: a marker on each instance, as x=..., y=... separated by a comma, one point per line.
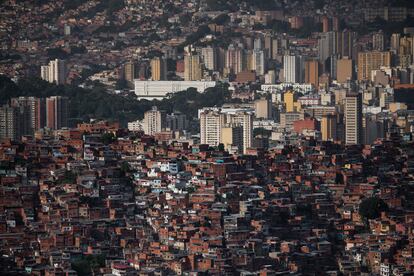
x=86, y=264
x=371, y=208
x=97, y=103
x=221, y=19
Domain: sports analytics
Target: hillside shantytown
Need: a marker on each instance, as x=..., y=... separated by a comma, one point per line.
x=206, y=137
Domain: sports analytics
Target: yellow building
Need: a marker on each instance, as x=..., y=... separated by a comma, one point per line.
x=158, y=69
x=369, y=61
x=328, y=127
x=248, y=61
x=192, y=68
x=406, y=46
x=394, y=107
x=232, y=138
x=312, y=72
x=130, y=71
x=291, y=104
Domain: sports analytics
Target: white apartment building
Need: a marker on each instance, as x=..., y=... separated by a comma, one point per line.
x=154, y=121
x=353, y=119
x=55, y=72
x=293, y=69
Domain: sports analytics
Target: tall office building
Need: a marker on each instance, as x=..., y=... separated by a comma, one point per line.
x=333, y=65
x=374, y=128
x=154, y=121
x=57, y=112
x=234, y=59
x=290, y=101
x=327, y=46
x=312, y=72
x=232, y=137
x=335, y=24
x=270, y=46
x=21, y=117
x=378, y=42
x=211, y=123
x=158, y=69
x=270, y=77
x=244, y=119
x=247, y=61
x=55, y=72
x=406, y=46
x=293, y=70
x=344, y=70
x=258, y=43
x=259, y=62
x=395, y=42
x=44, y=72
x=263, y=108
x=130, y=71
x=353, y=119
x=33, y=113
x=369, y=61
x=192, y=67
x=405, y=52
x=328, y=127
x=26, y=113
x=345, y=43
x=326, y=24
x=209, y=55
x=221, y=59
x=143, y=71
x=176, y=121
x=40, y=113
x=9, y=123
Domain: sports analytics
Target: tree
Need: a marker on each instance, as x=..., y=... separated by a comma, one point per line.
x=82, y=267
x=185, y=18
x=371, y=208
x=68, y=178
x=221, y=19
x=201, y=32
x=53, y=53
x=260, y=4
x=114, y=6
x=258, y=26
x=217, y=5
x=8, y=89
x=85, y=265
x=78, y=49
x=220, y=147
x=319, y=4
x=125, y=168
x=279, y=26
x=339, y=178
x=108, y=138
x=121, y=84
